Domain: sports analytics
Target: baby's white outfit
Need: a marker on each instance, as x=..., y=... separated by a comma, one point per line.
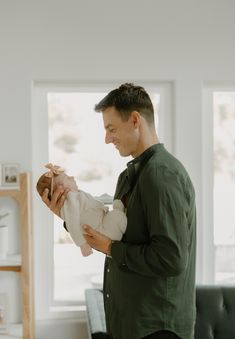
x=81, y=208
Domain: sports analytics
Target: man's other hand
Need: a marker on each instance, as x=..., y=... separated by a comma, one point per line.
x=97, y=240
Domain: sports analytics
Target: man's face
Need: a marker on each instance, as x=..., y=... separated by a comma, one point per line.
x=123, y=134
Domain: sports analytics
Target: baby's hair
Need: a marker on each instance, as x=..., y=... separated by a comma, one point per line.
x=43, y=183
x=47, y=179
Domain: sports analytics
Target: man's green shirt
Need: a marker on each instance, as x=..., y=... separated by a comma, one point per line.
x=149, y=280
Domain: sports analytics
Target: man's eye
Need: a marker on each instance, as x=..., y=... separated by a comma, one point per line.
x=112, y=130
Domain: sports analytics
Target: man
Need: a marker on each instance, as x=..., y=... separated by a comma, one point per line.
x=149, y=277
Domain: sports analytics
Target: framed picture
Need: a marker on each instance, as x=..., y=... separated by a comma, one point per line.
x=10, y=174
x=4, y=323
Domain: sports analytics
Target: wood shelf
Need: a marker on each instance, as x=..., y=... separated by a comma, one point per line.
x=10, y=268
x=23, y=263
x=11, y=263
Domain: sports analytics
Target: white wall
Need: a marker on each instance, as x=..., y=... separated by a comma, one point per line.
x=185, y=41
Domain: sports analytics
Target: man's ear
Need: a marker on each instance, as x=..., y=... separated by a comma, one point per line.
x=136, y=118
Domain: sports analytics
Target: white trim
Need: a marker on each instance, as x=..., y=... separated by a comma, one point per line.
x=166, y=115
x=42, y=218
x=206, y=254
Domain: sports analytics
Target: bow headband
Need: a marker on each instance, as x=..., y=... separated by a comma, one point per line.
x=53, y=170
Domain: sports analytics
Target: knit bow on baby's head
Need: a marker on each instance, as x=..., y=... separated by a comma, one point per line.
x=53, y=169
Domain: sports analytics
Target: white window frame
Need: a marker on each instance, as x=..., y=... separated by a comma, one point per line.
x=42, y=217
x=206, y=255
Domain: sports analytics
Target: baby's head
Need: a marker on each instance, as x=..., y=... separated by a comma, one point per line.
x=53, y=178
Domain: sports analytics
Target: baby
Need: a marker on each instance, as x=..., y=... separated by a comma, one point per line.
x=81, y=208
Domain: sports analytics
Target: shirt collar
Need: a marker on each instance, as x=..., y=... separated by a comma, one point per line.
x=146, y=154
x=134, y=166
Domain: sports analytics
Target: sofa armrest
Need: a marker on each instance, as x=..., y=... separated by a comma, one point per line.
x=215, y=312
x=95, y=314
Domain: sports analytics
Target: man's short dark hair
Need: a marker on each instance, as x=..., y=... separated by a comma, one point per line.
x=126, y=99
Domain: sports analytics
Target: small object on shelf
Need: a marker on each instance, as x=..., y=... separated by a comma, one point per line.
x=10, y=175
x=3, y=237
x=4, y=313
x=3, y=241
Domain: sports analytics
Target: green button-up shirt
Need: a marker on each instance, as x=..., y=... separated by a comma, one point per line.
x=149, y=280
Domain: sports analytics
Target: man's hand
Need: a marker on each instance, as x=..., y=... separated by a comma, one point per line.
x=57, y=199
x=97, y=240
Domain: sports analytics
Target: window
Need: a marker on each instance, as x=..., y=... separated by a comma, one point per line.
x=224, y=186
x=217, y=237
x=65, y=129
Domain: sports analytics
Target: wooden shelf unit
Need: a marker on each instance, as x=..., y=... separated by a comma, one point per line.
x=10, y=268
x=25, y=268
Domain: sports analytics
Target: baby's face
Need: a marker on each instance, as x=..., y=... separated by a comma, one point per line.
x=66, y=181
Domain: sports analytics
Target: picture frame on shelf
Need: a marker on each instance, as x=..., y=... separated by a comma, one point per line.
x=4, y=311
x=10, y=175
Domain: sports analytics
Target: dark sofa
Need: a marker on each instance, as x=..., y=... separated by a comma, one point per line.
x=215, y=313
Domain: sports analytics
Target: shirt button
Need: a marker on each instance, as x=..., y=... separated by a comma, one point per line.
x=107, y=295
x=108, y=270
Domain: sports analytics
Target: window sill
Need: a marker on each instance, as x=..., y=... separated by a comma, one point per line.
x=68, y=312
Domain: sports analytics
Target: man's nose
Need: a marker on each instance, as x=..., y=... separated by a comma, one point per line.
x=108, y=138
